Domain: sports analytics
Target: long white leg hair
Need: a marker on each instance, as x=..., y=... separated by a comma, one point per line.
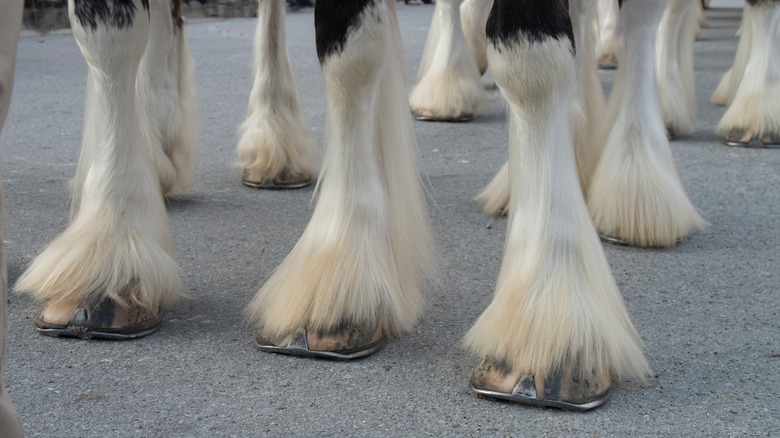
x=449, y=85
x=473, y=19
x=363, y=255
x=674, y=66
x=728, y=85
x=756, y=104
x=275, y=136
x=118, y=244
x=555, y=304
x=636, y=195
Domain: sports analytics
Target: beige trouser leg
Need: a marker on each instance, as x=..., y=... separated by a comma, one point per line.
x=10, y=22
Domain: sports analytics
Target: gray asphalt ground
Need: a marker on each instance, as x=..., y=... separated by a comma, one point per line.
x=707, y=310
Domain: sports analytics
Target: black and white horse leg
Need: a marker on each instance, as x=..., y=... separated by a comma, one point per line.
x=111, y=272
x=277, y=149
x=557, y=331
x=587, y=106
x=354, y=276
x=754, y=115
x=167, y=102
x=448, y=85
x=635, y=196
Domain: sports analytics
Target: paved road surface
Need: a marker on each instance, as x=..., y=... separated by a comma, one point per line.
x=707, y=309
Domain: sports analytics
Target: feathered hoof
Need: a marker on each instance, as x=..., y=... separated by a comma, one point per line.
x=285, y=180
x=745, y=137
x=495, y=379
x=654, y=213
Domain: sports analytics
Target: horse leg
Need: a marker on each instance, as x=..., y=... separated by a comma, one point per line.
x=448, y=86
x=167, y=95
x=636, y=196
x=588, y=101
x=111, y=273
x=727, y=88
x=354, y=277
x=557, y=331
x=277, y=149
x=674, y=80
x=688, y=36
x=587, y=106
x=754, y=115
